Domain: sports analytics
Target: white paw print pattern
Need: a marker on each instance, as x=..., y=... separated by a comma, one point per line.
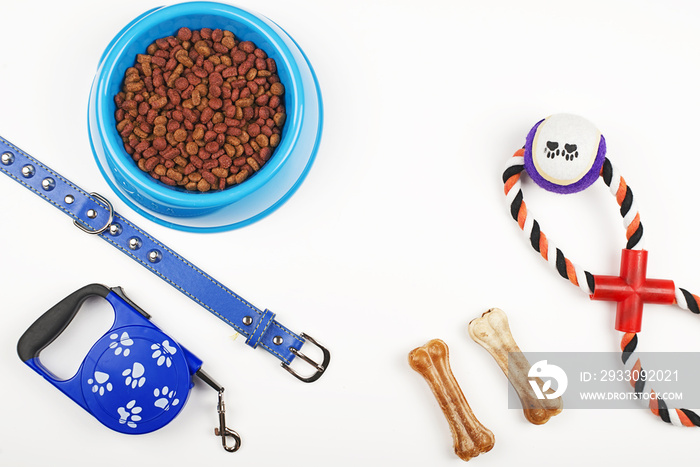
x=135, y=375
x=163, y=352
x=98, y=383
x=168, y=400
x=120, y=343
x=130, y=414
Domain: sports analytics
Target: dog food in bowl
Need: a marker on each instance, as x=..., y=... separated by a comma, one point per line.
x=201, y=110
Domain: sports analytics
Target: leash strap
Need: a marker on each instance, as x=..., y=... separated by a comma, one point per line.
x=634, y=256
x=94, y=215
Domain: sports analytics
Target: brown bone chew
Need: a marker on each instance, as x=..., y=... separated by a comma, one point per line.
x=470, y=437
x=492, y=332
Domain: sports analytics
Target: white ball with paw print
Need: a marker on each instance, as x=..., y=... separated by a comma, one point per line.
x=564, y=148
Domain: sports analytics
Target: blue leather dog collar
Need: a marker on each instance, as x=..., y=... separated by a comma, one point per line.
x=93, y=214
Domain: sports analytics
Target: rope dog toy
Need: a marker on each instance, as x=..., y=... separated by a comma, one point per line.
x=566, y=154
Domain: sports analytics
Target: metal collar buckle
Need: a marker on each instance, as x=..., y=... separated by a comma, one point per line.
x=108, y=205
x=320, y=368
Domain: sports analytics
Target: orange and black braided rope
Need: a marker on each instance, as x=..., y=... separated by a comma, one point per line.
x=659, y=407
x=584, y=279
x=539, y=241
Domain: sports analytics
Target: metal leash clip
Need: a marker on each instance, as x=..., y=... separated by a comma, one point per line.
x=222, y=430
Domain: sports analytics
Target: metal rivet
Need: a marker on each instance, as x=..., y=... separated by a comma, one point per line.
x=28, y=171
x=48, y=184
x=247, y=320
x=155, y=256
x=69, y=199
x=91, y=213
x=277, y=340
x=135, y=243
x=115, y=229
x=8, y=158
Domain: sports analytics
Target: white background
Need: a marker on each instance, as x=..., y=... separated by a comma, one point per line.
x=400, y=233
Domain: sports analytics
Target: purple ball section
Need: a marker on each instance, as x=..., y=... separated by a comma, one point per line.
x=586, y=181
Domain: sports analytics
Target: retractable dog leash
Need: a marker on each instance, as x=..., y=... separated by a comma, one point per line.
x=566, y=154
x=135, y=379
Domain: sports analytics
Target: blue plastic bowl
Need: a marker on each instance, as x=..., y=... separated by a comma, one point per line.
x=241, y=204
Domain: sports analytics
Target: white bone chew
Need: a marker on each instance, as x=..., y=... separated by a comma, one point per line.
x=492, y=332
x=470, y=437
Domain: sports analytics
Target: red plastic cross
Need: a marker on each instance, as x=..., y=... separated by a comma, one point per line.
x=631, y=290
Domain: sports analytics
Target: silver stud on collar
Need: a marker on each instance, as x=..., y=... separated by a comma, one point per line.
x=48, y=184
x=115, y=229
x=277, y=340
x=69, y=199
x=247, y=320
x=91, y=213
x=135, y=243
x=28, y=171
x=154, y=256
x=7, y=158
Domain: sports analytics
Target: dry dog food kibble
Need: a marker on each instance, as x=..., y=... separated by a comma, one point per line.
x=201, y=110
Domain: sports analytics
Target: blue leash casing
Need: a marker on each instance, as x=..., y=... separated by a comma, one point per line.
x=135, y=379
